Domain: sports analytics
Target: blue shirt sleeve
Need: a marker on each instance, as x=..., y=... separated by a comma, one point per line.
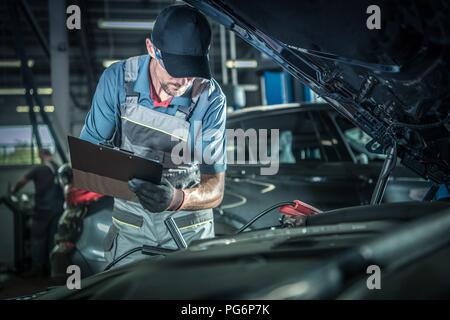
x=100, y=123
x=214, y=137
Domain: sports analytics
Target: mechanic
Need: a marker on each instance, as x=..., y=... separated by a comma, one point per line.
x=138, y=106
x=48, y=206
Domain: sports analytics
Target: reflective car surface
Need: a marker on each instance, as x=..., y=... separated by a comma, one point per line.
x=319, y=163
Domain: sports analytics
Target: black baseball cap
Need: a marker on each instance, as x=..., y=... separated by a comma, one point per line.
x=183, y=36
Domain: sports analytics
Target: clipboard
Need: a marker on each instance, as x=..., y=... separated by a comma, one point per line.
x=106, y=170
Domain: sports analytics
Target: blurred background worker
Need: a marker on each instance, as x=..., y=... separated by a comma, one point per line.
x=48, y=206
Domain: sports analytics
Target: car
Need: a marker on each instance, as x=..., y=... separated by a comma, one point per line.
x=326, y=258
x=319, y=152
x=392, y=83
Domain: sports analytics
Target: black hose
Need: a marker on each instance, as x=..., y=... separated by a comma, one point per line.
x=147, y=250
x=150, y=250
x=121, y=257
x=262, y=213
x=258, y=216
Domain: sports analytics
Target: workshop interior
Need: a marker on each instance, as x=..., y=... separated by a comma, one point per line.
x=314, y=141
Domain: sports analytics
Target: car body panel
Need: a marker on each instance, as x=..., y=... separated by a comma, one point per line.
x=262, y=264
x=326, y=184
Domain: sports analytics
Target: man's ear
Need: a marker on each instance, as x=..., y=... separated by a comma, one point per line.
x=150, y=49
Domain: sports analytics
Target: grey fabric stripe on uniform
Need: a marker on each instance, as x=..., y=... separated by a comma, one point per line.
x=128, y=218
x=168, y=130
x=193, y=219
x=131, y=69
x=155, y=120
x=110, y=237
x=132, y=97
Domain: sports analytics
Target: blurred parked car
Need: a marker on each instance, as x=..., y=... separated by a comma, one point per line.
x=322, y=160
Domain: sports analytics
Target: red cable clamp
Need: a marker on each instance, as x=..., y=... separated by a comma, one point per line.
x=299, y=209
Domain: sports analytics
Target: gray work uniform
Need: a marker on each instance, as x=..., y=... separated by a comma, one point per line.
x=152, y=135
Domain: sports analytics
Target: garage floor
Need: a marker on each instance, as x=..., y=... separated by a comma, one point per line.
x=12, y=285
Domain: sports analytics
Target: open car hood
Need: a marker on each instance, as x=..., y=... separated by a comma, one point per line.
x=393, y=82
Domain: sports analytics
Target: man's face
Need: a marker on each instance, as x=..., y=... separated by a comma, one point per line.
x=44, y=157
x=172, y=86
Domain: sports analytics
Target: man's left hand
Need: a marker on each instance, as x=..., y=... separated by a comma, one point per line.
x=157, y=197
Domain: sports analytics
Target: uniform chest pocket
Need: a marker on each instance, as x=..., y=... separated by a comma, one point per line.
x=156, y=122
x=111, y=236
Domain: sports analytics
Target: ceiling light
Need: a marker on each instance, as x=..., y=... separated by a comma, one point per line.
x=22, y=109
x=249, y=87
x=14, y=63
x=45, y=91
x=238, y=64
x=21, y=91
x=126, y=24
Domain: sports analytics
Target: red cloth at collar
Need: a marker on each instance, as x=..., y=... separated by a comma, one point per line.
x=156, y=100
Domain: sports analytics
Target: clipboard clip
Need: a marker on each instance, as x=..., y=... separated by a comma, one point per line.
x=110, y=146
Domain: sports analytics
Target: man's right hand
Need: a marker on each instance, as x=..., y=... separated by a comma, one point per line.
x=157, y=197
